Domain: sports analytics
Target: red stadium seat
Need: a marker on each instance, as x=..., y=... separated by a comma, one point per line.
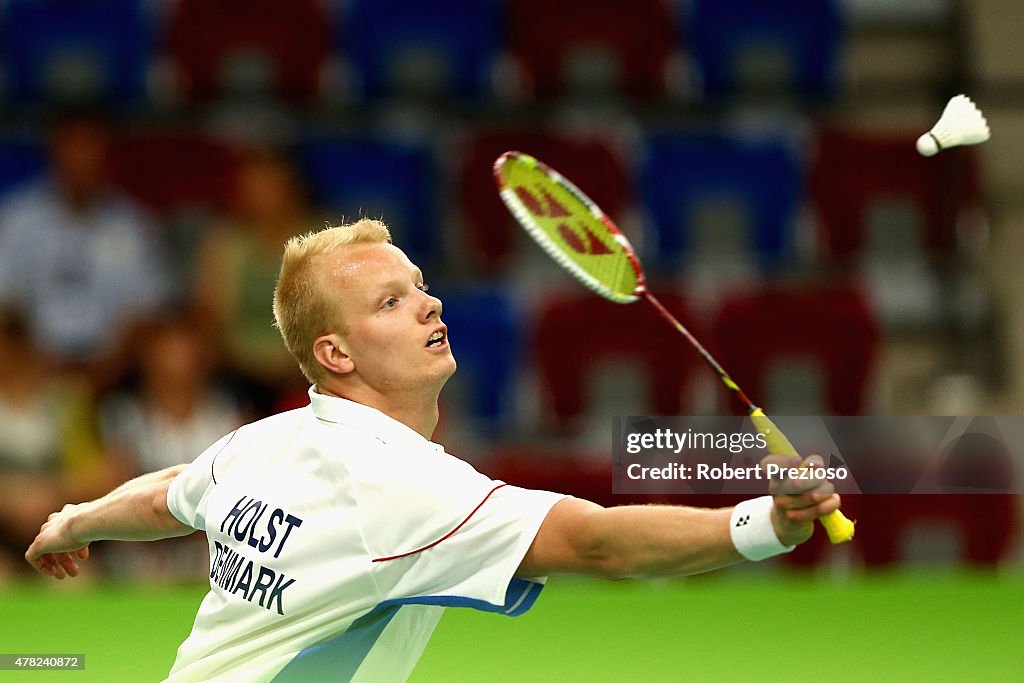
x=574, y=334
x=247, y=47
x=830, y=326
x=852, y=171
x=172, y=170
x=986, y=523
x=566, y=45
x=492, y=233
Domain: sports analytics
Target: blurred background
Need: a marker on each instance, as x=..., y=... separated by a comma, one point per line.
x=155, y=155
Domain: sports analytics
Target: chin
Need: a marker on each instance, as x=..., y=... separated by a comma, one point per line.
x=446, y=371
x=450, y=370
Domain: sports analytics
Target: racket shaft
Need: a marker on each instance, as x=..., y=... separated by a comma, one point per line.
x=708, y=358
x=838, y=527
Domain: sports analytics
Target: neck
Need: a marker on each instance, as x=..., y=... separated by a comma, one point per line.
x=415, y=410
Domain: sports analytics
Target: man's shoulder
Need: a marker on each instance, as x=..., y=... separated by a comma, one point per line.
x=272, y=424
x=300, y=427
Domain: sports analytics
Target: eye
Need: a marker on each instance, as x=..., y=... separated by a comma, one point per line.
x=423, y=287
x=390, y=302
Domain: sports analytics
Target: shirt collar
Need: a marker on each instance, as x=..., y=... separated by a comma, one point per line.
x=359, y=416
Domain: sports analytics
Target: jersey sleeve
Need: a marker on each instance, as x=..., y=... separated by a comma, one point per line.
x=188, y=493
x=478, y=536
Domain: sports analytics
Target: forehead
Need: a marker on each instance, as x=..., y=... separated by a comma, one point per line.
x=365, y=265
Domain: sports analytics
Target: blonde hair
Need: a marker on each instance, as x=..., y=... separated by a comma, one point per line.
x=302, y=309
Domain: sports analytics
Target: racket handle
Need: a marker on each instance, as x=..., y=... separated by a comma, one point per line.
x=838, y=527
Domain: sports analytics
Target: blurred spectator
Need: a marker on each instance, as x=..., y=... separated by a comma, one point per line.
x=78, y=255
x=49, y=445
x=237, y=272
x=172, y=412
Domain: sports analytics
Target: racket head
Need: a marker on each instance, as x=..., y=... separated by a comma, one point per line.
x=570, y=227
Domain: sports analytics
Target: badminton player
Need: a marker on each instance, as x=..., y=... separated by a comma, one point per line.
x=338, y=532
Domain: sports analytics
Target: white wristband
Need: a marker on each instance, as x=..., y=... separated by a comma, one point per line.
x=750, y=527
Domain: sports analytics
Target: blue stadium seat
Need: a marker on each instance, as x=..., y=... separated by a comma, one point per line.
x=21, y=160
x=358, y=177
x=737, y=46
x=487, y=343
x=60, y=50
x=683, y=176
x=410, y=47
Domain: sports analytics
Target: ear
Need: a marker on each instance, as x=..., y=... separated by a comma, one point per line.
x=330, y=351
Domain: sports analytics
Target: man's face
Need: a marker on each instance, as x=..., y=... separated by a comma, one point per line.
x=79, y=153
x=393, y=332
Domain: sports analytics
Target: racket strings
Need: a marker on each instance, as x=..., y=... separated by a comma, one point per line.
x=570, y=229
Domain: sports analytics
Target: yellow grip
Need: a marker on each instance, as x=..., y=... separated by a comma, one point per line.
x=837, y=526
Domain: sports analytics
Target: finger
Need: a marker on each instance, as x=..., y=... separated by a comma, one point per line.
x=808, y=514
x=795, y=479
x=34, y=557
x=796, y=502
x=67, y=561
x=799, y=487
x=813, y=461
x=823, y=489
x=801, y=516
x=58, y=571
x=54, y=568
x=829, y=505
x=38, y=563
x=51, y=564
x=83, y=553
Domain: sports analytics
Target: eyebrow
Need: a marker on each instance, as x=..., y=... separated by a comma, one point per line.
x=389, y=285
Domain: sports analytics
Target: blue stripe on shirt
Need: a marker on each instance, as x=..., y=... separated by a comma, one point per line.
x=339, y=658
x=519, y=598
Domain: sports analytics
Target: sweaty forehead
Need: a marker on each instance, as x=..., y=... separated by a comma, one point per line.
x=364, y=264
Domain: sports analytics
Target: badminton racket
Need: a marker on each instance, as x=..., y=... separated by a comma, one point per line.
x=581, y=238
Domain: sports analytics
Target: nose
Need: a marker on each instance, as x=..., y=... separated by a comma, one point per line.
x=432, y=307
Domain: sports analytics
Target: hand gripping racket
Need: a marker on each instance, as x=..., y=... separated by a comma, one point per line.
x=574, y=231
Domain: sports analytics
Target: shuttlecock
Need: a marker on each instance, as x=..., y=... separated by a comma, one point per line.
x=961, y=123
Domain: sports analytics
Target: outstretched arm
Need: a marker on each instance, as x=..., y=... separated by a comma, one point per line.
x=580, y=537
x=135, y=511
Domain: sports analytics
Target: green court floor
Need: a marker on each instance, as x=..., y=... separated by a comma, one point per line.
x=894, y=628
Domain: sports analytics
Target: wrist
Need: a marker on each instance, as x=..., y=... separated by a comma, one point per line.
x=752, y=531
x=76, y=525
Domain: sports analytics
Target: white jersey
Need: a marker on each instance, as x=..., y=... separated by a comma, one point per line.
x=337, y=536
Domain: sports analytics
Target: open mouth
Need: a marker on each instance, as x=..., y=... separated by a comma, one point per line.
x=437, y=339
